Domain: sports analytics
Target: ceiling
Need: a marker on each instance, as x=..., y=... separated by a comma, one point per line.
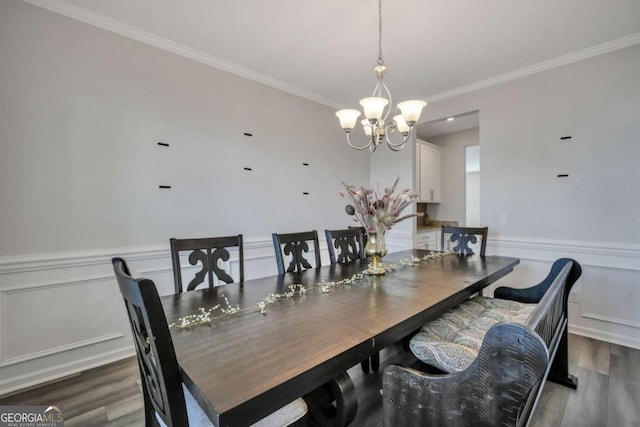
x=445, y=125
x=326, y=50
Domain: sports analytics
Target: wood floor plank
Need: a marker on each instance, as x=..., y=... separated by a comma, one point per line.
x=125, y=406
x=132, y=419
x=587, y=406
x=595, y=356
x=111, y=395
x=551, y=406
x=624, y=388
x=96, y=417
x=368, y=386
x=575, y=348
x=627, y=359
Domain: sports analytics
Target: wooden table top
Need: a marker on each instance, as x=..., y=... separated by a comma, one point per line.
x=244, y=367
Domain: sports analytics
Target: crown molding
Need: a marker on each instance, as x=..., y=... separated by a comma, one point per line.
x=580, y=55
x=63, y=8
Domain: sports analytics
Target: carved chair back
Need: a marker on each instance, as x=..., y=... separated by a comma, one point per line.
x=295, y=245
x=463, y=240
x=363, y=231
x=208, y=252
x=349, y=242
x=161, y=380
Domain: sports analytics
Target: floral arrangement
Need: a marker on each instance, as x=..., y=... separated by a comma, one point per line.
x=378, y=214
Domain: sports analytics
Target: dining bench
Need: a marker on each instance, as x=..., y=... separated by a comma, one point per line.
x=484, y=362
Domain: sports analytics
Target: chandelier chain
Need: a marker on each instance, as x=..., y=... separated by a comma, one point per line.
x=380, y=60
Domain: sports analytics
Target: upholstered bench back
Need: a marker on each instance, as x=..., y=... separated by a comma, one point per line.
x=495, y=355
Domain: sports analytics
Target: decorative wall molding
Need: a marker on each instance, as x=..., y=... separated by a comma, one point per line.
x=51, y=351
x=590, y=52
x=30, y=263
x=397, y=240
x=12, y=289
x=10, y=384
x=86, y=267
x=71, y=11
x=35, y=287
x=611, y=249
x=607, y=336
x=602, y=303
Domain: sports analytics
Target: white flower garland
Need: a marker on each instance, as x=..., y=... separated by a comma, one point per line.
x=206, y=316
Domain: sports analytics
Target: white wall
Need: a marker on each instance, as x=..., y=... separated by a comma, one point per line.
x=386, y=166
x=453, y=174
x=472, y=191
x=594, y=214
x=82, y=111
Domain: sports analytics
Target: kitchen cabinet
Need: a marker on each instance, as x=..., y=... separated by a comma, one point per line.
x=428, y=179
x=428, y=240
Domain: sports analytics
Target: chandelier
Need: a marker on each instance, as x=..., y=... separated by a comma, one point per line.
x=377, y=107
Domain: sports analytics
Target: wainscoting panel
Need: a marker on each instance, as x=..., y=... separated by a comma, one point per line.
x=604, y=303
x=63, y=313
x=45, y=319
x=614, y=295
x=398, y=240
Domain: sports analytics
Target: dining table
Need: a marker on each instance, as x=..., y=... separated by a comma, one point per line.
x=273, y=339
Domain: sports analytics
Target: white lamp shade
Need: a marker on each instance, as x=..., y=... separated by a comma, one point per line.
x=411, y=111
x=401, y=124
x=373, y=107
x=348, y=118
x=368, y=128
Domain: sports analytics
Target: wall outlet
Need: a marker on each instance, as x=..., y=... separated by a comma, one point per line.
x=504, y=217
x=574, y=297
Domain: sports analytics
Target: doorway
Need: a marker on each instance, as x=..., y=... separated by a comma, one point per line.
x=472, y=185
x=459, y=170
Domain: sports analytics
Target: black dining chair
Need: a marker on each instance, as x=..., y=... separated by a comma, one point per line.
x=295, y=245
x=206, y=251
x=349, y=243
x=167, y=402
x=363, y=231
x=462, y=239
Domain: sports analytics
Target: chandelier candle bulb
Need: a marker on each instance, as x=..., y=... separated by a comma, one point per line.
x=411, y=111
x=348, y=119
x=373, y=107
x=401, y=124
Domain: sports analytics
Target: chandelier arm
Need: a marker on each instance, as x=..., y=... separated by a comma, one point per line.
x=390, y=104
x=397, y=147
x=380, y=90
x=364, y=147
x=400, y=145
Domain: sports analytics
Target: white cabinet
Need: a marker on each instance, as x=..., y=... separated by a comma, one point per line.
x=428, y=172
x=429, y=240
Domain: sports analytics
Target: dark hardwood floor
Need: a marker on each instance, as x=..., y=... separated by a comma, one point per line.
x=608, y=394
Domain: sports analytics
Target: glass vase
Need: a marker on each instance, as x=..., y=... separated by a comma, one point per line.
x=375, y=249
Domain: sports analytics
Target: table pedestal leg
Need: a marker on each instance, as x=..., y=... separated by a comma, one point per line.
x=334, y=404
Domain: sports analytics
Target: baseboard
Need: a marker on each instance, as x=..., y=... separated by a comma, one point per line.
x=605, y=336
x=34, y=378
